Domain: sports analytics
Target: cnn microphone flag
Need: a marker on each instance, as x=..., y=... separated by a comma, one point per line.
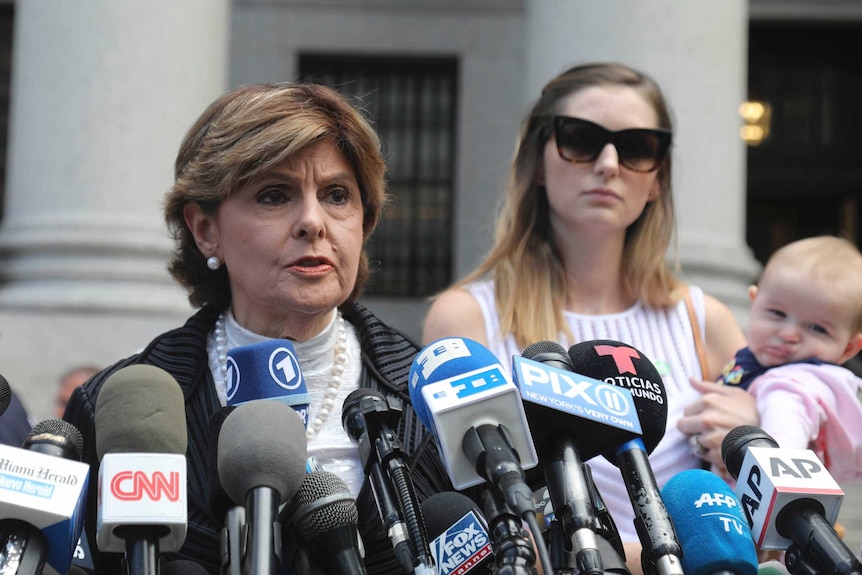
x=142, y=489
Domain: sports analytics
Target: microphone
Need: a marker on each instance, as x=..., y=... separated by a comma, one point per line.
x=553, y=394
x=221, y=505
x=267, y=370
x=326, y=518
x=261, y=462
x=5, y=395
x=369, y=417
x=141, y=441
x=461, y=395
x=713, y=532
x=624, y=366
x=460, y=542
x=790, y=500
x=43, y=489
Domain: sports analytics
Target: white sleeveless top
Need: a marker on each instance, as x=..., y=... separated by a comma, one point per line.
x=665, y=336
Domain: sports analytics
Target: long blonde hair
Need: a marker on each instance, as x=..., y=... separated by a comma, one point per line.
x=524, y=263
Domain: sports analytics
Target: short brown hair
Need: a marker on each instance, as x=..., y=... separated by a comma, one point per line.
x=246, y=132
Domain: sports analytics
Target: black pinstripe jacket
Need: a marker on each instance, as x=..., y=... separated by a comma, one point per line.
x=387, y=355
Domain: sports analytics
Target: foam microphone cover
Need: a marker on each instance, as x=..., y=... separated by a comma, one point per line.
x=262, y=444
x=140, y=409
x=625, y=366
x=5, y=395
x=712, y=530
x=443, y=509
x=467, y=546
x=219, y=501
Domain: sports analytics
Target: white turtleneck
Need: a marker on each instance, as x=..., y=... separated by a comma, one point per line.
x=331, y=446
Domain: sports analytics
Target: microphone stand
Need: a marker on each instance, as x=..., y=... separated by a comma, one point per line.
x=513, y=553
x=142, y=550
x=819, y=555
x=380, y=418
x=381, y=415
x=24, y=548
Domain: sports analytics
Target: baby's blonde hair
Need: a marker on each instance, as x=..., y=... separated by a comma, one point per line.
x=833, y=262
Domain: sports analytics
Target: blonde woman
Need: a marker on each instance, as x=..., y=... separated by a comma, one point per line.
x=580, y=254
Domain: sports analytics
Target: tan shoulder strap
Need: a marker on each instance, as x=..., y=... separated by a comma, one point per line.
x=698, y=341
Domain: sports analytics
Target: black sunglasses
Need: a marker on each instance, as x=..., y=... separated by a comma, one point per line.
x=639, y=149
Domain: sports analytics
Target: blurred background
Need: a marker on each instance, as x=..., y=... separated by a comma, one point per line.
x=95, y=96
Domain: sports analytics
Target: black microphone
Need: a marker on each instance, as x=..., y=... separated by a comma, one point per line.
x=461, y=394
x=460, y=542
x=141, y=441
x=261, y=462
x=222, y=507
x=325, y=515
x=369, y=418
x=43, y=517
x=568, y=485
x=785, y=494
x=5, y=395
x=624, y=366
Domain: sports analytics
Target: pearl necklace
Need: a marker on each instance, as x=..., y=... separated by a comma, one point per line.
x=336, y=372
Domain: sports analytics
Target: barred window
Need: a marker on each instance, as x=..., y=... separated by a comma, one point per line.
x=411, y=102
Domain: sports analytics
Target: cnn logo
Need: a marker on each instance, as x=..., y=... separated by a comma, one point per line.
x=135, y=485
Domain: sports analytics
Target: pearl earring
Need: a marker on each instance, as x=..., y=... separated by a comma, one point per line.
x=213, y=263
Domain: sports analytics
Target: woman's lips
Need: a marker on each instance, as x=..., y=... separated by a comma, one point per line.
x=312, y=265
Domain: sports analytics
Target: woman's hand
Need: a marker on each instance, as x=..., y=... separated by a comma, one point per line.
x=719, y=409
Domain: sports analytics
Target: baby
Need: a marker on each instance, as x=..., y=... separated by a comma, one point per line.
x=806, y=320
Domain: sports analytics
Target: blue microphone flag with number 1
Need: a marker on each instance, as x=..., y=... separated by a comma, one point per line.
x=267, y=370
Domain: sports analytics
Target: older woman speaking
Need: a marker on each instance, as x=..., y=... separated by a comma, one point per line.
x=277, y=189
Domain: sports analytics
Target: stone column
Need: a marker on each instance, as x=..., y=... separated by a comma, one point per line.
x=697, y=51
x=102, y=93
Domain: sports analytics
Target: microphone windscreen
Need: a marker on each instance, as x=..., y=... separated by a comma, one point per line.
x=219, y=501
x=712, y=530
x=459, y=534
x=262, y=444
x=442, y=359
x=5, y=395
x=140, y=409
x=549, y=353
x=623, y=365
x=56, y=437
x=736, y=444
x=441, y=510
x=322, y=503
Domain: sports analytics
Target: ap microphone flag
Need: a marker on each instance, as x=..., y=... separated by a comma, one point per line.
x=267, y=370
